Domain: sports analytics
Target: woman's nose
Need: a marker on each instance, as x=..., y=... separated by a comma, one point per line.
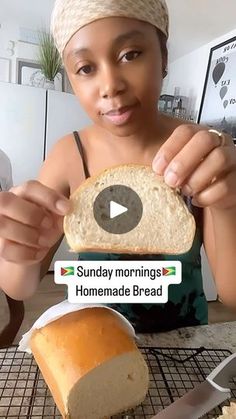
x=111, y=83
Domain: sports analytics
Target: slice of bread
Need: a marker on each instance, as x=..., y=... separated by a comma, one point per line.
x=228, y=412
x=91, y=365
x=166, y=225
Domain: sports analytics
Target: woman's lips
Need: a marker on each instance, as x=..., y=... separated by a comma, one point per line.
x=120, y=116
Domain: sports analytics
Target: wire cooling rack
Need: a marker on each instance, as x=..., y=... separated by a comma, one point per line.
x=173, y=372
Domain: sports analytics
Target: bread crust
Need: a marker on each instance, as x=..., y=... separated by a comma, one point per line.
x=70, y=347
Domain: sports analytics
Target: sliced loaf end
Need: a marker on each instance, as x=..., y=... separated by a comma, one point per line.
x=113, y=387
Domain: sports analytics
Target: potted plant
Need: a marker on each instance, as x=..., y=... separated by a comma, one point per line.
x=49, y=58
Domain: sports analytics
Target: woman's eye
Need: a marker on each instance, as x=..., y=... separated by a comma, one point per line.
x=85, y=70
x=129, y=56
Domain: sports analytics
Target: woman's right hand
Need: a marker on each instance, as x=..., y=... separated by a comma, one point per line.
x=31, y=221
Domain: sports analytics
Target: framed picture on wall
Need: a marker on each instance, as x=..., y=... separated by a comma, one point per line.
x=5, y=69
x=29, y=73
x=218, y=104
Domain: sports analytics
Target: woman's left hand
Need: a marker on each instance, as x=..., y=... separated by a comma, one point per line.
x=202, y=164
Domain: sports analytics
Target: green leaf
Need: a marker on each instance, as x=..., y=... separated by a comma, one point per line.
x=49, y=57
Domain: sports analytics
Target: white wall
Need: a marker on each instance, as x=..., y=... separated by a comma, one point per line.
x=9, y=32
x=13, y=48
x=189, y=72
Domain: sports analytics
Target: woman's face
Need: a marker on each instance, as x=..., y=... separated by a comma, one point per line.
x=115, y=67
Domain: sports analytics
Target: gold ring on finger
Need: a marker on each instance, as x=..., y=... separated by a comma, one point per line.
x=220, y=135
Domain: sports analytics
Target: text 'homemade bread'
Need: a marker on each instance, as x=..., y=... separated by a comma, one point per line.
x=91, y=364
x=166, y=225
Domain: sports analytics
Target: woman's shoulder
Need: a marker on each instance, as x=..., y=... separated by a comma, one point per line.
x=68, y=140
x=62, y=169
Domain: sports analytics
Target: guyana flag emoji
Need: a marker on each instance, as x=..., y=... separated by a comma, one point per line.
x=168, y=271
x=67, y=271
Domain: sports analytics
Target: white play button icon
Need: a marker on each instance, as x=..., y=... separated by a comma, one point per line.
x=116, y=209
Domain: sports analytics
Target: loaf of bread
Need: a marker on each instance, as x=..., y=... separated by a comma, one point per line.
x=91, y=364
x=166, y=225
x=228, y=412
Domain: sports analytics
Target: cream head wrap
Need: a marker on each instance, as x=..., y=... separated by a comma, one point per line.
x=69, y=16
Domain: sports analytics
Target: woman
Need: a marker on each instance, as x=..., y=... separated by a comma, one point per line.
x=16, y=308
x=115, y=56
